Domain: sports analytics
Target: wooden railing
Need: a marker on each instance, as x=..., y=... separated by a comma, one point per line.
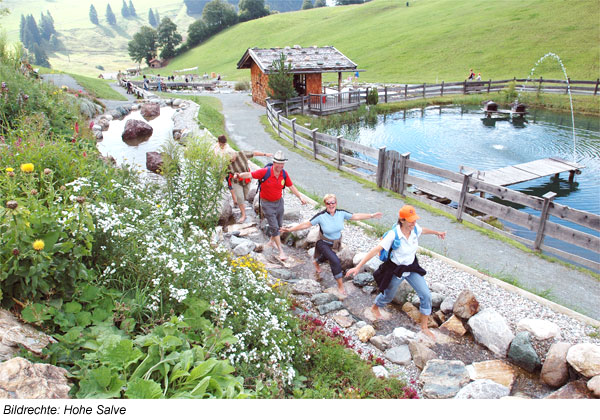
x=396, y=172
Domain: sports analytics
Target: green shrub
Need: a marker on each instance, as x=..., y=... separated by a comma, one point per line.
x=242, y=85
x=372, y=97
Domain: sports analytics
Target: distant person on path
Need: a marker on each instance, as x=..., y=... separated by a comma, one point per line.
x=224, y=150
x=331, y=223
x=146, y=83
x=471, y=75
x=129, y=87
x=478, y=77
x=402, y=243
x=271, y=196
x=158, y=83
x=240, y=187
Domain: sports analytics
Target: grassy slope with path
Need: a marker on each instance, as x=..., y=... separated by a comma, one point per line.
x=428, y=41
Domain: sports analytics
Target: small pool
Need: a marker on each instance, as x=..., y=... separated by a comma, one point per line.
x=113, y=145
x=451, y=137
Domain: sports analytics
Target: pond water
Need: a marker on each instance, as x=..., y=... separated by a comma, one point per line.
x=113, y=145
x=451, y=137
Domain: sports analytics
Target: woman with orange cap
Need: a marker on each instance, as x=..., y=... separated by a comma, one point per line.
x=402, y=243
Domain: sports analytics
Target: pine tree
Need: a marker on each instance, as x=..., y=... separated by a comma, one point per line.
x=151, y=18
x=40, y=57
x=22, y=28
x=110, y=16
x=320, y=3
x=32, y=33
x=125, y=10
x=46, y=26
x=157, y=17
x=281, y=81
x=93, y=15
x=132, y=11
x=307, y=4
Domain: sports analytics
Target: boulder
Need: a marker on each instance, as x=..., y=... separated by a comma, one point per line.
x=154, y=162
x=483, y=389
x=150, y=110
x=415, y=315
x=436, y=300
x=443, y=378
x=496, y=370
x=594, y=386
x=454, y=325
x=281, y=273
x=362, y=279
x=177, y=102
x=401, y=335
x=539, y=328
x=330, y=307
x=439, y=317
x=244, y=248
x=380, y=341
x=21, y=379
x=343, y=321
x=370, y=265
x=365, y=333
x=14, y=334
x=323, y=298
x=405, y=293
x=399, y=355
x=576, y=390
x=585, y=359
x=421, y=354
x=136, y=132
x=466, y=305
x=555, y=371
x=491, y=330
x=447, y=305
x=346, y=255
x=307, y=287
x=522, y=353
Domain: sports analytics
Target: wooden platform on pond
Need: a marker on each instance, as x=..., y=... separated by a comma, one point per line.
x=522, y=172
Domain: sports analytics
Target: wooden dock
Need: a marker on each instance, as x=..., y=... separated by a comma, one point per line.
x=522, y=172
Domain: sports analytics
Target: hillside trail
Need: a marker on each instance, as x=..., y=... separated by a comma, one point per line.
x=566, y=286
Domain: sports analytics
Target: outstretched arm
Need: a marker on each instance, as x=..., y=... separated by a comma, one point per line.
x=299, y=226
x=441, y=235
x=257, y=153
x=295, y=191
x=362, y=216
x=372, y=252
x=242, y=175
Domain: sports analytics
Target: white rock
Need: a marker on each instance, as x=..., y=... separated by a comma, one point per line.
x=380, y=371
x=402, y=335
x=539, y=328
x=585, y=359
x=490, y=329
x=399, y=355
x=482, y=389
x=594, y=385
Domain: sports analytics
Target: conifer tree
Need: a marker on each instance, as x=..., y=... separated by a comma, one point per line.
x=125, y=10
x=151, y=18
x=110, y=16
x=22, y=27
x=281, y=81
x=320, y=3
x=307, y=4
x=132, y=11
x=46, y=26
x=93, y=15
x=157, y=17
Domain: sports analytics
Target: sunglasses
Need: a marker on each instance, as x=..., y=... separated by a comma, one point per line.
x=330, y=203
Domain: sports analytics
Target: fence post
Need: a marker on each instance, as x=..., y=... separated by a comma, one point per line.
x=380, y=166
x=403, y=170
x=278, y=124
x=294, y=131
x=385, y=92
x=302, y=102
x=596, y=88
x=405, y=91
x=314, y=139
x=548, y=197
x=423, y=90
x=489, y=85
x=442, y=94
x=339, y=151
x=463, y=195
x=286, y=108
x=465, y=88
x=540, y=86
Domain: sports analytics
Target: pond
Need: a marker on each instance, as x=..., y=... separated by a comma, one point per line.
x=451, y=137
x=113, y=145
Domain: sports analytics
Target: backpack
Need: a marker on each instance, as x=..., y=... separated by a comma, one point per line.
x=385, y=254
x=269, y=167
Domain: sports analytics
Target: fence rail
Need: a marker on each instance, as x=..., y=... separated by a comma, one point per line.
x=399, y=173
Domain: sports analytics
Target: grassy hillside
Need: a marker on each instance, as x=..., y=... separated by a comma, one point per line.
x=430, y=41
x=88, y=45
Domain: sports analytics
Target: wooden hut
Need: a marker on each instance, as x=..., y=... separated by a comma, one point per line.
x=307, y=66
x=156, y=63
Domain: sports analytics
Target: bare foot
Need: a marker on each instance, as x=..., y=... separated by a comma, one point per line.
x=242, y=219
x=269, y=244
x=376, y=313
x=317, y=267
x=282, y=256
x=428, y=333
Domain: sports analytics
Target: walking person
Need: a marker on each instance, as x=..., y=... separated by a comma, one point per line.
x=331, y=223
x=401, y=243
x=158, y=83
x=224, y=150
x=240, y=187
x=146, y=83
x=271, y=196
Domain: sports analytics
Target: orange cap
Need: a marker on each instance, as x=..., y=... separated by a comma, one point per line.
x=408, y=213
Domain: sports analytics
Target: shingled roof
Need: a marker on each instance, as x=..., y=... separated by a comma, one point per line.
x=302, y=60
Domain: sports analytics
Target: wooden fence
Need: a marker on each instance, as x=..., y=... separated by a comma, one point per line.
x=396, y=172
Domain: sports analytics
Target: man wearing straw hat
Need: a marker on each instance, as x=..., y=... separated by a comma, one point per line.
x=274, y=180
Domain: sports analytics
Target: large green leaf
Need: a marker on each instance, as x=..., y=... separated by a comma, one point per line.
x=120, y=355
x=100, y=383
x=72, y=307
x=143, y=389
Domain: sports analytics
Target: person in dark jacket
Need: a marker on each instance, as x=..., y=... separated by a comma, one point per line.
x=401, y=257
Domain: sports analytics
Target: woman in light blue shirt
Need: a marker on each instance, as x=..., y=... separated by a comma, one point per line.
x=331, y=223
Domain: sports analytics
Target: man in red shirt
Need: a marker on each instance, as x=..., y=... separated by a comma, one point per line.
x=271, y=196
